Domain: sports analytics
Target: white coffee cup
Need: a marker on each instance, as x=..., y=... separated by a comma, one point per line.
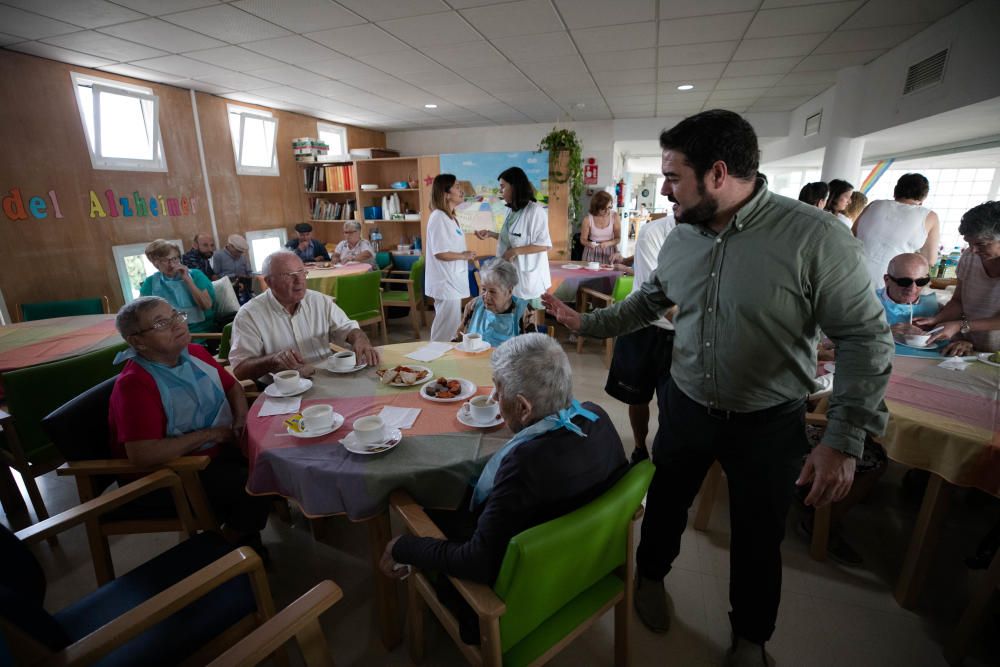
x=472, y=341
x=594, y=266
x=918, y=340
x=344, y=360
x=317, y=417
x=482, y=409
x=370, y=430
x=286, y=381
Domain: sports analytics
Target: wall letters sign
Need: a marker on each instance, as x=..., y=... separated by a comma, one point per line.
x=101, y=205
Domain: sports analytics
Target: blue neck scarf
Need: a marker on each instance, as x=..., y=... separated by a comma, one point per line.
x=497, y=327
x=177, y=295
x=191, y=393
x=561, y=419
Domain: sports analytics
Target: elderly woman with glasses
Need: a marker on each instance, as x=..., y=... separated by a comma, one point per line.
x=496, y=313
x=353, y=249
x=971, y=320
x=172, y=399
x=601, y=230
x=188, y=290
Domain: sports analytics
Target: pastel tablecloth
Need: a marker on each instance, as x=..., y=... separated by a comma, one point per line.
x=325, y=280
x=31, y=343
x=435, y=462
x=566, y=282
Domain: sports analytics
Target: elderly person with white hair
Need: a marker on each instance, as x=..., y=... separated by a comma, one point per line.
x=289, y=327
x=353, y=249
x=971, y=320
x=496, y=313
x=563, y=455
x=171, y=399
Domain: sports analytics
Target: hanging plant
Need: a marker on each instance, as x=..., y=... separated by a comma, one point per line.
x=558, y=141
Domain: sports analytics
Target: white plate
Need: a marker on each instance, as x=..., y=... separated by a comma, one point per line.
x=468, y=389
x=430, y=376
x=344, y=370
x=338, y=421
x=985, y=358
x=351, y=444
x=571, y=266
x=304, y=385
x=929, y=346
x=469, y=421
x=483, y=346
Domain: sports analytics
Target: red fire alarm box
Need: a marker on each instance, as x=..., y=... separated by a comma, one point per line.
x=590, y=172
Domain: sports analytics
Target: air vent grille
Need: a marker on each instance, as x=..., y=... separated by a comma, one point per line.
x=927, y=72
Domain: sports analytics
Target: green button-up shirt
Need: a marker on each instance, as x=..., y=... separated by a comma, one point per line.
x=752, y=301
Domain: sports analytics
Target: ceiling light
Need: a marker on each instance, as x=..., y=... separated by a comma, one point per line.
x=579, y=105
x=685, y=86
x=430, y=106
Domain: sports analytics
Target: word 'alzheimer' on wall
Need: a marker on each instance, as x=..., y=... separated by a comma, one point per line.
x=108, y=205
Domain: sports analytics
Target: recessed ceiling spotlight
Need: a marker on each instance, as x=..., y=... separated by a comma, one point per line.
x=579, y=105
x=685, y=86
x=430, y=106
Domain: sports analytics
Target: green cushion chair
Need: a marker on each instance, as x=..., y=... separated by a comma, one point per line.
x=405, y=289
x=225, y=343
x=34, y=392
x=556, y=580
x=44, y=310
x=620, y=292
x=361, y=298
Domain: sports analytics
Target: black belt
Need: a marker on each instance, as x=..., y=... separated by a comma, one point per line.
x=757, y=416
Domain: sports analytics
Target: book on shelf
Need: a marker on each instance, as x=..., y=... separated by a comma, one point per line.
x=328, y=178
x=321, y=208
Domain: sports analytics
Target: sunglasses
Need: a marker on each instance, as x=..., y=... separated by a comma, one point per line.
x=906, y=282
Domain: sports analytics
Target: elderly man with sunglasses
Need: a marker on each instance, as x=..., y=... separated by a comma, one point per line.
x=291, y=327
x=905, y=279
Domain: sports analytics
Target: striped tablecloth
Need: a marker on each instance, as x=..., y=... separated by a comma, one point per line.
x=325, y=280
x=31, y=343
x=566, y=282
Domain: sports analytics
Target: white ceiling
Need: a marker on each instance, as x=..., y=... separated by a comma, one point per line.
x=376, y=63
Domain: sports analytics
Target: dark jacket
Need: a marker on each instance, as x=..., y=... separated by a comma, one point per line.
x=316, y=251
x=540, y=480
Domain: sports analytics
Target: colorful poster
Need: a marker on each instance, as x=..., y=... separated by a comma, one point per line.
x=477, y=173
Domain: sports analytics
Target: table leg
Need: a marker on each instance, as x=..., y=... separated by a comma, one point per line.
x=923, y=542
x=386, y=600
x=12, y=500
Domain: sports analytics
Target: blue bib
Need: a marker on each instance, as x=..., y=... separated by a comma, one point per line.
x=898, y=313
x=177, y=295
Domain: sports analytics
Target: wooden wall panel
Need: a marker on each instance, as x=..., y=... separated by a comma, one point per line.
x=44, y=148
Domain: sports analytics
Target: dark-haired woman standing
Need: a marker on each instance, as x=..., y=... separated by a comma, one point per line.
x=524, y=238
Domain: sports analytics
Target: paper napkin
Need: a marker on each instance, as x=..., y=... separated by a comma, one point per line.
x=430, y=352
x=400, y=418
x=280, y=406
x=954, y=364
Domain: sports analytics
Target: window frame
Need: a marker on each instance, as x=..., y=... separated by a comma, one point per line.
x=120, y=252
x=334, y=129
x=158, y=163
x=260, y=114
x=278, y=232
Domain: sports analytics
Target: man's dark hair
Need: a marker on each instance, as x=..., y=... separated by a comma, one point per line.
x=715, y=135
x=523, y=190
x=814, y=193
x=303, y=227
x=911, y=186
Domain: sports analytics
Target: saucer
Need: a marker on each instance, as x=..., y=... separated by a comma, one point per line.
x=483, y=346
x=930, y=346
x=345, y=370
x=353, y=445
x=467, y=420
x=571, y=267
x=304, y=385
x=338, y=421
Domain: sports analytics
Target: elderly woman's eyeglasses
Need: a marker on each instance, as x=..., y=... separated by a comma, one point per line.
x=160, y=325
x=171, y=260
x=906, y=282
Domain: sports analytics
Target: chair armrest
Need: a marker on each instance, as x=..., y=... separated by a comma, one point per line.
x=124, y=467
x=208, y=335
x=286, y=624
x=154, y=610
x=161, y=479
x=480, y=597
x=600, y=296
x=397, y=281
x=399, y=272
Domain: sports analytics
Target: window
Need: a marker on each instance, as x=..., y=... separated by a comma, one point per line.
x=122, y=124
x=254, y=132
x=335, y=137
x=133, y=266
x=263, y=243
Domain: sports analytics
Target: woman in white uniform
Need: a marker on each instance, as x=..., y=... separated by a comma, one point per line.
x=446, y=277
x=524, y=238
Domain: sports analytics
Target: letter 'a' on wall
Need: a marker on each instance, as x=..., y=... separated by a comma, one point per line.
x=121, y=124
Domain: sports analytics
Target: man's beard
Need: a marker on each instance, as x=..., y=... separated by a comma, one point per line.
x=701, y=213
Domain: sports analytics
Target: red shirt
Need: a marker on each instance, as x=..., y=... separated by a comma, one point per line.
x=136, y=411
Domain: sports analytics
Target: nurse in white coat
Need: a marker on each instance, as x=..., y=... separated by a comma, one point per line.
x=446, y=277
x=524, y=238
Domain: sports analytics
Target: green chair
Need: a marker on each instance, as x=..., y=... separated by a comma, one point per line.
x=224, y=344
x=622, y=288
x=34, y=392
x=44, y=310
x=409, y=295
x=361, y=298
x=555, y=581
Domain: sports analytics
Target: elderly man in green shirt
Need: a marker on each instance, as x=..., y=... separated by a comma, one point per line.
x=755, y=277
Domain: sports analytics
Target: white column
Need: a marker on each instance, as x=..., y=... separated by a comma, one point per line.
x=842, y=159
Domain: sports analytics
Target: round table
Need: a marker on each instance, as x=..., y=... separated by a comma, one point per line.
x=40, y=341
x=566, y=283
x=325, y=279
x=435, y=462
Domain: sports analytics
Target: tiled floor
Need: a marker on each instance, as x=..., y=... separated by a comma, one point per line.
x=829, y=615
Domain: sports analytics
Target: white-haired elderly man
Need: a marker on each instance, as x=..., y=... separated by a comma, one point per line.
x=563, y=454
x=290, y=326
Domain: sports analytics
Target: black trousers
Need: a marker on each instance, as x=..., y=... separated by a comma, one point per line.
x=761, y=453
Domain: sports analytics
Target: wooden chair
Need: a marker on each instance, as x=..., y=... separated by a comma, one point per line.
x=623, y=287
x=186, y=605
x=409, y=295
x=79, y=430
x=43, y=310
x=360, y=297
x=299, y=620
x=556, y=580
